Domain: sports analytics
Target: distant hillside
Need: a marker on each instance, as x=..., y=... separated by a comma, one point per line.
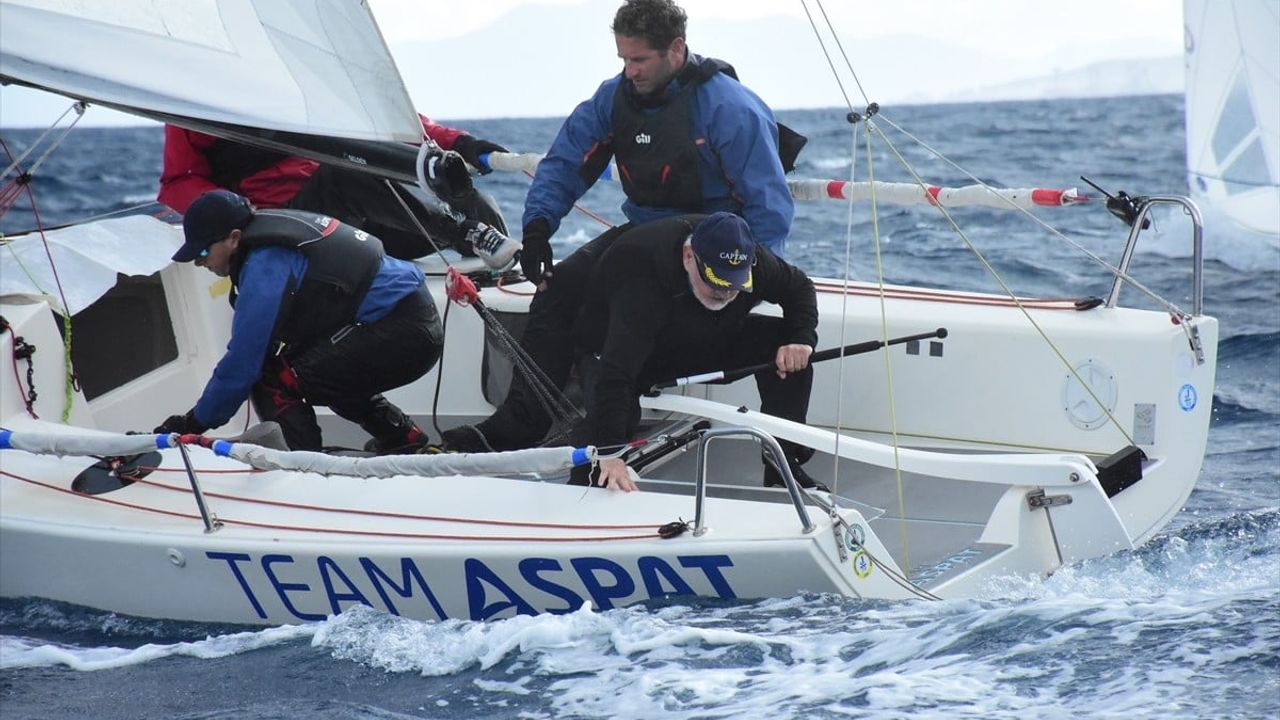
x=506, y=70
x=1151, y=76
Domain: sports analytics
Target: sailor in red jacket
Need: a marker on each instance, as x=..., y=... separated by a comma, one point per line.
x=195, y=163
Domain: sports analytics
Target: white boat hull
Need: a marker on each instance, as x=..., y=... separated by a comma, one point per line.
x=994, y=474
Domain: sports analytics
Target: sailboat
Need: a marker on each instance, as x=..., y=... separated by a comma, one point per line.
x=1233, y=110
x=988, y=436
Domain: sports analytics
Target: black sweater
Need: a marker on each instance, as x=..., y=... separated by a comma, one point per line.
x=641, y=317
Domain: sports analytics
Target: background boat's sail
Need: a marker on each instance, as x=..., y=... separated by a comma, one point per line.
x=273, y=72
x=1233, y=109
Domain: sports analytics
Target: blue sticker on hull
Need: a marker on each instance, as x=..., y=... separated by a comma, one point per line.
x=1187, y=398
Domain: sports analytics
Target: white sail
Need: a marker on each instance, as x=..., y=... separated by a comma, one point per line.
x=1233, y=109
x=318, y=67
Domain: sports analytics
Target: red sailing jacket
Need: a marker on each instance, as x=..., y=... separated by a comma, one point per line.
x=188, y=172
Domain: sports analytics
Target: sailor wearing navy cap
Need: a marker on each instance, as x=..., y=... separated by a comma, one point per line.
x=322, y=317
x=673, y=298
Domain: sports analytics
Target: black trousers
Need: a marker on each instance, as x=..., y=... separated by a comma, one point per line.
x=757, y=342
x=521, y=421
x=363, y=200
x=348, y=371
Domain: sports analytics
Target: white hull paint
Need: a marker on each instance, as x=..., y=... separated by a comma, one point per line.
x=986, y=420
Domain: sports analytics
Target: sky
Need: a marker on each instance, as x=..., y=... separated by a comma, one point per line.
x=1010, y=28
x=518, y=58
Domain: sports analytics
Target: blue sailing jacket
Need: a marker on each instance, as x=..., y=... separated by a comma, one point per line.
x=266, y=276
x=737, y=140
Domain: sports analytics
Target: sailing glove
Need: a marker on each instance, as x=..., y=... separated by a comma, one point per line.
x=447, y=175
x=185, y=424
x=535, y=258
x=471, y=148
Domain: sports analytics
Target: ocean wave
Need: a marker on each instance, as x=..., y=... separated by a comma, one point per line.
x=1234, y=412
x=1250, y=345
x=25, y=652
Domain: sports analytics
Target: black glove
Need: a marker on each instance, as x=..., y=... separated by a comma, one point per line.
x=448, y=176
x=186, y=424
x=535, y=258
x=471, y=148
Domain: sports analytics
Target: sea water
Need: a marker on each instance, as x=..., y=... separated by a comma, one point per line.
x=1187, y=626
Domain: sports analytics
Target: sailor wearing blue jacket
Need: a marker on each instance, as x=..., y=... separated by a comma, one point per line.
x=719, y=138
x=322, y=317
x=687, y=137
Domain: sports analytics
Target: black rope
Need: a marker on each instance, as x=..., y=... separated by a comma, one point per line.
x=23, y=350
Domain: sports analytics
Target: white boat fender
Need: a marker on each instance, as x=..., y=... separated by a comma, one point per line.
x=93, y=445
x=534, y=460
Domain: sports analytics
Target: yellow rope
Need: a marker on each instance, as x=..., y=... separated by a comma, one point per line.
x=888, y=356
x=69, y=380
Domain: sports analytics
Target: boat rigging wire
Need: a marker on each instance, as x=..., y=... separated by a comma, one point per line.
x=854, y=119
x=1170, y=307
x=888, y=357
x=79, y=108
x=873, y=128
x=844, y=311
x=552, y=398
x=20, y=184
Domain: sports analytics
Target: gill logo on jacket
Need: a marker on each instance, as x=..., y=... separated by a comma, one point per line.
x=643, y=139
x=326, y=224
x=735, y=257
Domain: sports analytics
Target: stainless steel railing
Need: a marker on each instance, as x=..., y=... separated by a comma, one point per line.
x=771, y=445
x=1197, y=249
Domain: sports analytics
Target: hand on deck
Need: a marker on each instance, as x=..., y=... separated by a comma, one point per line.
x=614, y=475
x=791, y=358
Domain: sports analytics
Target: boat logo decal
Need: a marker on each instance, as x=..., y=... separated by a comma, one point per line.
x=1187, y=397
x=862, y=564
x=854, y=536
x=277, y=585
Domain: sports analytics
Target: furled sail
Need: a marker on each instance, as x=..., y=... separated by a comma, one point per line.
x=1233, y=109
x=281, y=73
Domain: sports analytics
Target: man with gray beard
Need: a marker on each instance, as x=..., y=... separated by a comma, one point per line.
x=673, y=297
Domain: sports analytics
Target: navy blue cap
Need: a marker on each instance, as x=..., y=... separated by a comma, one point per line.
x=724, y=251
x=209, y=219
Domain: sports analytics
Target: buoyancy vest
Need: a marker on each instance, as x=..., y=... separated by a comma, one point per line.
x=342, y=262
x=657, y=152
x=230, y=162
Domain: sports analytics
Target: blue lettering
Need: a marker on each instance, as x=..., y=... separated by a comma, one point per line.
x=408, y=569
x=328, y=569
x=232, y=559
x=604, y=595
x=710, y=565
x=282, y=589
x=653, y=567
x=476, y=573
x=529, y=569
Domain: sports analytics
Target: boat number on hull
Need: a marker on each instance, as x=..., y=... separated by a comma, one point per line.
x=310, y=589
x=862, y=564
x=854, y=537
x=1187, y=397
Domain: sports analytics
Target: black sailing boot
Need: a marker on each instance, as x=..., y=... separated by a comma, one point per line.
x=773, y=476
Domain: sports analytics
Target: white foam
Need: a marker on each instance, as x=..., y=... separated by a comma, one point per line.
x=20, y=652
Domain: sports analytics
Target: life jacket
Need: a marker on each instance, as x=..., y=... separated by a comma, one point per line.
x=341, y=264
x=656, y=152
x=230, y=162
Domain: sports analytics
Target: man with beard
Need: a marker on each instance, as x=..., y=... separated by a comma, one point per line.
x=673, y=298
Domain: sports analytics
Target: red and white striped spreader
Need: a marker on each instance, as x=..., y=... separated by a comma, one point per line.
x=887, y=192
